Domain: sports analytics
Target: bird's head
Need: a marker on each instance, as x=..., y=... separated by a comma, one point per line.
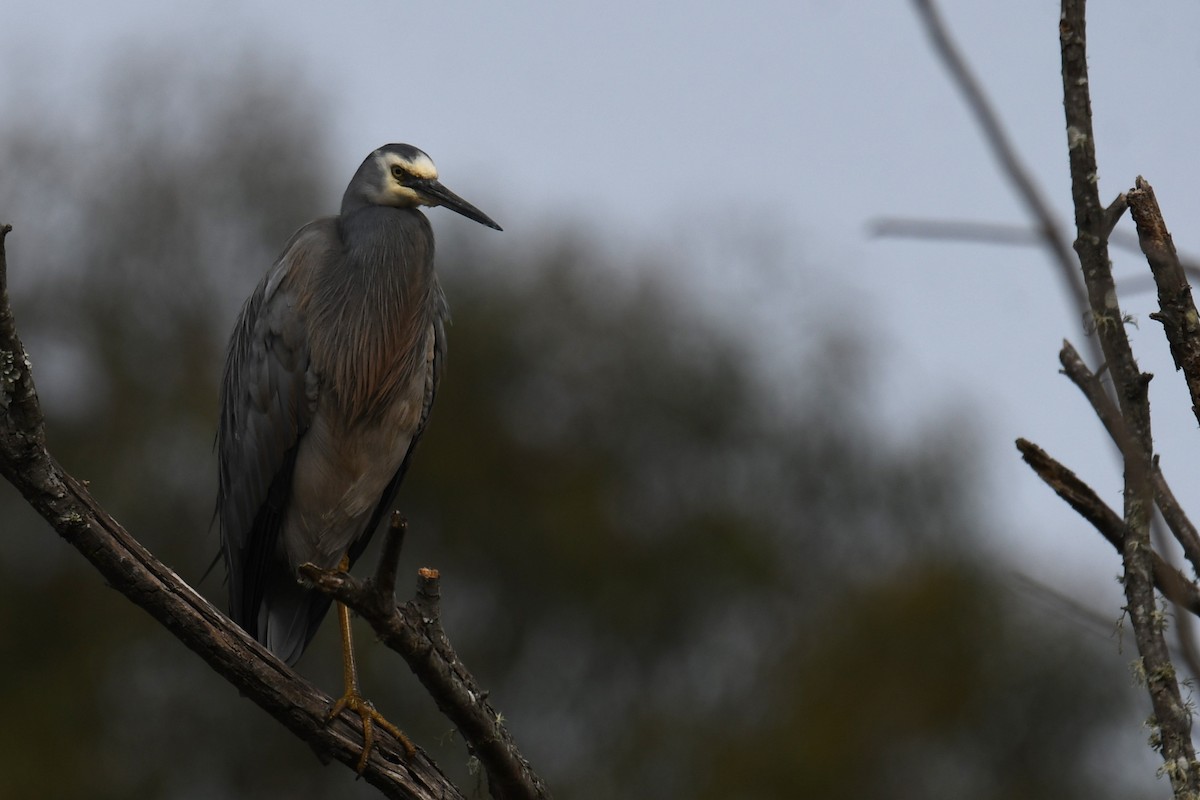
x=402, y=176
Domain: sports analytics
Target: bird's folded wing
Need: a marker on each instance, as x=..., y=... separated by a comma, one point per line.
x=268, y=397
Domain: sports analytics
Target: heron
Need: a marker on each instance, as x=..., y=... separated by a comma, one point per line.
x=329, y=378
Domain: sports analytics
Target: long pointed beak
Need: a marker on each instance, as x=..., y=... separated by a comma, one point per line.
x=438, y=195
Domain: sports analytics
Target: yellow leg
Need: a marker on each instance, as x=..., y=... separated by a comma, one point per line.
x=353, y=700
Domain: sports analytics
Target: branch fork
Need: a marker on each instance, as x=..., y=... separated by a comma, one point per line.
x=414, y=631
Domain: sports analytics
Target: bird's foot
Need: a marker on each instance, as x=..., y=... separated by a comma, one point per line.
x=356, y=703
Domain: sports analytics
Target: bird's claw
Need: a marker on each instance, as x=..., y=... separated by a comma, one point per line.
x=370, y=718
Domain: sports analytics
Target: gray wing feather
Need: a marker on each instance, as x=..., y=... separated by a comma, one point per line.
x=268, y=396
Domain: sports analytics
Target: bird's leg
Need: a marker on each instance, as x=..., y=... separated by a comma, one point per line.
x=353, y=700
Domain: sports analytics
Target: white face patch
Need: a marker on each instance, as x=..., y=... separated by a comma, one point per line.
x=395, y=193
x=420, y=167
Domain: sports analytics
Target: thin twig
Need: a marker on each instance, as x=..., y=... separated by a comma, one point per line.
x=389, y=558
x=956, y=230
x=1176, y=518
x=1007, y=234
x=1002, y=148
x=1081, y=497
x=1186, y=637
x=1185, y=641
x=1177, y=311
x=24, y=432
x=1088, y=383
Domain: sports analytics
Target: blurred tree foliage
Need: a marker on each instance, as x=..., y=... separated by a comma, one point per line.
x=676, y=581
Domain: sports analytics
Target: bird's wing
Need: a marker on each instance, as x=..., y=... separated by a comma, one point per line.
x=268, y=396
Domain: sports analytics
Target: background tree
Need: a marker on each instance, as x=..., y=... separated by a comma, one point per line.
x=676, y=577
x=1116, y=386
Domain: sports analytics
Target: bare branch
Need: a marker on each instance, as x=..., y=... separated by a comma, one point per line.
x=1176, y=518
x=1081, y=497
x=1112, y=214
x=23, y=432
x=415, y=631
x=956, y=231
x=389, y=558
x=1001, y=233
x=1181, y=527
x=1185, y=639
x=134, y=572
x=1128, y=419
x=993, y=130
x=1177, y=312
x=1181, y=324
x=1092, y=224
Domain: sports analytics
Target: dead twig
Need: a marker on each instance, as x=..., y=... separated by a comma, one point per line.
x=1006, y=234
x=1177, y=311
x=1110, y=416
x=1002, y=148
x=1081, y=497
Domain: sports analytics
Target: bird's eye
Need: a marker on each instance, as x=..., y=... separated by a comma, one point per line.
x=397, y=172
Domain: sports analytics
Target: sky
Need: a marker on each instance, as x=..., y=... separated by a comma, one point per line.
x=798, y=123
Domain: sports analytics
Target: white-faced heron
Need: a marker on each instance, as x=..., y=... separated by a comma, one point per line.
x=329, y=378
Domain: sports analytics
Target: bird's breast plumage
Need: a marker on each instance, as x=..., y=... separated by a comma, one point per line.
x=371, y=308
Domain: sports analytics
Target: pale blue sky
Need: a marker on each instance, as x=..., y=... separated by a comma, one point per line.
x=652, y=122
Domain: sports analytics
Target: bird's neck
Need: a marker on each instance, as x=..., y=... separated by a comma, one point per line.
x=378, y=303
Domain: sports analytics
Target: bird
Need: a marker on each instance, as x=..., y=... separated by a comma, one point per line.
x=329, y=378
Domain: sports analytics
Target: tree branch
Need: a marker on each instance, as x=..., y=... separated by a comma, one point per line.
x=1004, y=151
x=1007, y=234
x=1093, y=224
x=956, y=230
x=1081, y=497
x=1087, y=381
x=1177, y=312
x=1129, y=420
x=415, y=631
x=134, y=572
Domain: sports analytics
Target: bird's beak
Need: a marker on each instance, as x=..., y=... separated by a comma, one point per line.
x=438, y=195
